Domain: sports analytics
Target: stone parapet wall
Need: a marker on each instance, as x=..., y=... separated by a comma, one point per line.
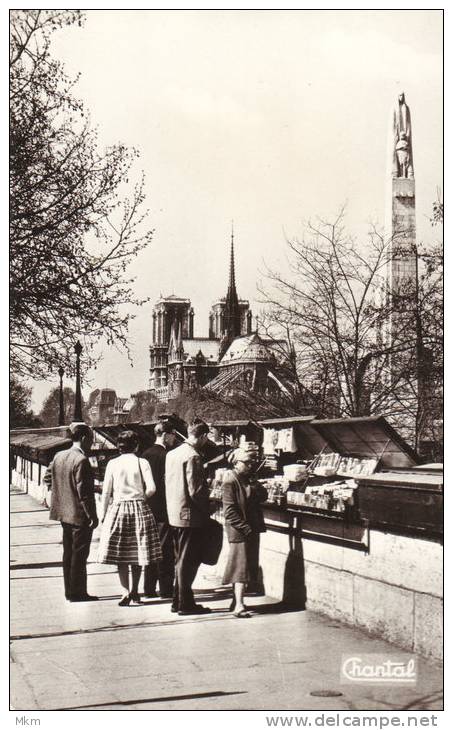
x=393, y=591
x=33, y=487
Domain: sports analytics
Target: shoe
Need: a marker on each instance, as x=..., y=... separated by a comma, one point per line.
x=125, y=601
x=135, y=597
x=242, y=614
x=195, y=611
x=174, y=609
x=150, y=594
x=81, y=599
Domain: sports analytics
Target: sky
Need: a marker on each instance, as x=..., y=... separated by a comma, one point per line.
x=267, y=118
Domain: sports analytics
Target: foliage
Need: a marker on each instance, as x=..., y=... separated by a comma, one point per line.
x=50, y=411
x=431, y=350
x=238, y=405
x=144, y=406
x=20, y=413
x=75, y=219
x=437, y=217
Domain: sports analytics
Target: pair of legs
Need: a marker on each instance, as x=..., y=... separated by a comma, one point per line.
x=76, y=548
x=188, y=559
x=164, y=572
x=123, y=572
x=243, y=570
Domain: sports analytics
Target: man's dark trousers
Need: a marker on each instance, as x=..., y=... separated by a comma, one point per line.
x=164, y=572
x=188, y=544
x=76, y=548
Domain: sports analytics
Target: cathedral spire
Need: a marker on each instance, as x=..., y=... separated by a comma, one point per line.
x=232, y=298
x=232, y=314
x=232, y=279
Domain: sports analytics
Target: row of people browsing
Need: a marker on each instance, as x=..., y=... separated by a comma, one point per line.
x=154, y=514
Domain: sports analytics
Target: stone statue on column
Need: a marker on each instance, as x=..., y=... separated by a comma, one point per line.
x=403, y=165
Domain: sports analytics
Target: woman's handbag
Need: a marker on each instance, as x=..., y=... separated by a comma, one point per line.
x=212, y=540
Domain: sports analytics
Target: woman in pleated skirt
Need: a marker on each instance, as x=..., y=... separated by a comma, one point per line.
x=129, y=535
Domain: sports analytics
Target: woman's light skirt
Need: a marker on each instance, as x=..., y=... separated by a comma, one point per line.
x=129, y=535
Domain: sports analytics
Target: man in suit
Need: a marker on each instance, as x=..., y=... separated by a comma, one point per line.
x=188, y=511
x=73, y=504
x=164, y=571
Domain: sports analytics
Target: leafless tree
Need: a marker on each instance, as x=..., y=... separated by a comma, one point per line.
x=334, y=310
x=76, y=220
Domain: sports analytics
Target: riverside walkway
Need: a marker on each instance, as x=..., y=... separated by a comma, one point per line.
x=99, y=656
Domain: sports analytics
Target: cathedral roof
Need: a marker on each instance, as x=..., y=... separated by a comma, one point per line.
x=209, y=348
x=251, y=347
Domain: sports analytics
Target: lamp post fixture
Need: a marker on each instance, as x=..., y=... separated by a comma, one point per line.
x=78, y=394
x=61, y=413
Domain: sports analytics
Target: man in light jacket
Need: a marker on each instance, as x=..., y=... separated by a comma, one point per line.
x=71, y=478
x=187, y=498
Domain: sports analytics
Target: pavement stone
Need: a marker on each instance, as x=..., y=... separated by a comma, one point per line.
x=101, y=656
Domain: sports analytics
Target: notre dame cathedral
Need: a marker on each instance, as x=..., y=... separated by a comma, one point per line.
x=232, y=356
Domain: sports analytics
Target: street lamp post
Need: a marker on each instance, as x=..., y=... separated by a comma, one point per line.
x=61, y=413
x=78, y=394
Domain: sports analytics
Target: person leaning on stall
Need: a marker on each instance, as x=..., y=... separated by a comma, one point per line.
x=244, y=522
x=129, y=534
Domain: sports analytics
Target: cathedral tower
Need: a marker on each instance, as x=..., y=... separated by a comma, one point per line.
x=168, y=313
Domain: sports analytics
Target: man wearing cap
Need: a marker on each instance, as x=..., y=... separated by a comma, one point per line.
x=187, y=497
x=73, y=504
x=164, y=571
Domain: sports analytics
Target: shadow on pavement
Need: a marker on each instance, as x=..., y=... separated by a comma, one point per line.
x=174, y=698
x=423, y=703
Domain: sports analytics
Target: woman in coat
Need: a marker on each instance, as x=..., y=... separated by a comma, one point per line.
x=129, y=534
x=243, y=523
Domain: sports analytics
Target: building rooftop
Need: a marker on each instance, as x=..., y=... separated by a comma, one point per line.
x=173, y=298
x=252, y=347
x=209, y=348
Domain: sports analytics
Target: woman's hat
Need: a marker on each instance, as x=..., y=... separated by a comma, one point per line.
x=247, y=452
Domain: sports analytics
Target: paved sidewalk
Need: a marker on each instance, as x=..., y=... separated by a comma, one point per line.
x=102, y=656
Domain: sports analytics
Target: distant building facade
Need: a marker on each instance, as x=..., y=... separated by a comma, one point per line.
x=104, y=406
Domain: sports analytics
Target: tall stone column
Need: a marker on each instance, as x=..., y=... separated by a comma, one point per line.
x=400, y=223
x=400, y=331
